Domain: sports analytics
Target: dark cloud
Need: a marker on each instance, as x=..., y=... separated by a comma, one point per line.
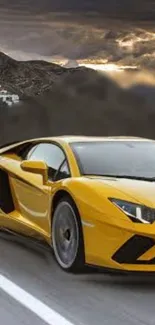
x=142, y=9
x=76, y=36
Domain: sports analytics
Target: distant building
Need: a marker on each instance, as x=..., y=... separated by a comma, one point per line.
x=7, y=97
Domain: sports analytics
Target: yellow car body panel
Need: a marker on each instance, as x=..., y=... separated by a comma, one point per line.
x=32, y=193
x=105, y=227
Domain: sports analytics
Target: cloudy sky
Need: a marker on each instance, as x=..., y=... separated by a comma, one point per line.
x=111, y=6
x=80, y=30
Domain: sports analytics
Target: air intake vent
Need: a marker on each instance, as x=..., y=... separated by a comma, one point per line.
x=6, y=201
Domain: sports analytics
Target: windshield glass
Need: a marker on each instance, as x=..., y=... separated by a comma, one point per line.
x=116, y=158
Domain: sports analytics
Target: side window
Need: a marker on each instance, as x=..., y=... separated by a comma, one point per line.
x=31, y=150
x=63, y=172
x=51, y=154
x=25, y=151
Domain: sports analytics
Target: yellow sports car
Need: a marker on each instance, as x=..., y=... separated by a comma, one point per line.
x=91, y=199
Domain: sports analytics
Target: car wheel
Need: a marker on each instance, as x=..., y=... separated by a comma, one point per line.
x=67, y=236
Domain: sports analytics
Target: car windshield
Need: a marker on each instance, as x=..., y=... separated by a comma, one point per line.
x=116, y=158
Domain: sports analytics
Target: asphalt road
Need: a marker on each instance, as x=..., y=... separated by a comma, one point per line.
x=90, y=299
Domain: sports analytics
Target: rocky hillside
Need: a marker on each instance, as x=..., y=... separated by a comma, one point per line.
x=55, y=100
x=28, y=79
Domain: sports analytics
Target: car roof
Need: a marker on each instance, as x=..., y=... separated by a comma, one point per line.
x=70, y=139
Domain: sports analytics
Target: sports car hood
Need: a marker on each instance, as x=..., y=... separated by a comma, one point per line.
x=141, y=191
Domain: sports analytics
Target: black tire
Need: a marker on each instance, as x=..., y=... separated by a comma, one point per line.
x=70, y=258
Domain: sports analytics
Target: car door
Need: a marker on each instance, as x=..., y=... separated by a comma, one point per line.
x=34, y=202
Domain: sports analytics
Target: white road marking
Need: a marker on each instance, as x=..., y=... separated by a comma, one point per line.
x=44, y=312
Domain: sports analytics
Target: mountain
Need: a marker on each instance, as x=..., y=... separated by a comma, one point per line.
x=29, y=78
x=26, y=79
x=57, y=101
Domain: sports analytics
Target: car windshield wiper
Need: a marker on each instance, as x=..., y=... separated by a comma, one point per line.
x=141, y=178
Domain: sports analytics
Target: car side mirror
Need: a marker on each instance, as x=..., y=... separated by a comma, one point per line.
x=37, y=167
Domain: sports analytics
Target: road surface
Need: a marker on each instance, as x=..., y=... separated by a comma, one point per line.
x=90, y=299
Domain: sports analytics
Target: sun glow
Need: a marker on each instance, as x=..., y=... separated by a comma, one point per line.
x=107, y=67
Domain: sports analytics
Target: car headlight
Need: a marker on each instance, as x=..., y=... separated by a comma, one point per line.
x=136, y=212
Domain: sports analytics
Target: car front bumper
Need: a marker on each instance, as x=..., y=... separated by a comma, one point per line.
x=128, y=247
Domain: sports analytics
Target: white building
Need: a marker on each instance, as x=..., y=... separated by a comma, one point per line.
x=7, y=97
